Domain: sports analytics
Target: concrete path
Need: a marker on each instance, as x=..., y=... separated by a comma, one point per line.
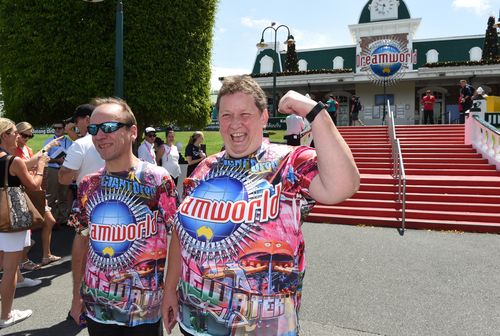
x=360, y=281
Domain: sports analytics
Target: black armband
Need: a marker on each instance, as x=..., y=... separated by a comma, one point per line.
x=314, y=112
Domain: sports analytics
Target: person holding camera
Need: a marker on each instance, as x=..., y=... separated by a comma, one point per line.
x=57, y=194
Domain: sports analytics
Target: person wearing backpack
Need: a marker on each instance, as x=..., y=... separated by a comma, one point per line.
x=356, y=107
x=332, y=108
x=466, y=93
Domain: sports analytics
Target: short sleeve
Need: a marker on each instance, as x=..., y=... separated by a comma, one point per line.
x=78, y=218
x=74, y=157
x=303, y=164
x=168, y=200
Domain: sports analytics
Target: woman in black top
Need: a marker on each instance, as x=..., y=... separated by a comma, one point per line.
x=12, y=243
x=194, y=154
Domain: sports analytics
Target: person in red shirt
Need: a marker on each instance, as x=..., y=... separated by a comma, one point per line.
x=428, y=100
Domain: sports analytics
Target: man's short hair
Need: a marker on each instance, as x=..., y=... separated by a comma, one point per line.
x=127, y=116
x=244, y=84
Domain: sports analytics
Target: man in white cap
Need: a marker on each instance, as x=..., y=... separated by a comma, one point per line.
x=146, y=151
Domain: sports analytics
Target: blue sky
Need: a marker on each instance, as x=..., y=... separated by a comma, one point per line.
x=322, y=23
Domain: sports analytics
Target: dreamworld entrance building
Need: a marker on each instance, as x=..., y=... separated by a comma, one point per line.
x=384, y=48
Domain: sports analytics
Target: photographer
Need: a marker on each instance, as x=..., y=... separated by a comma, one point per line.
x=56, y=192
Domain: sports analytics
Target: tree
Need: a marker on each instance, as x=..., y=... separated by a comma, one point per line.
x=55, y=55
x=490, y=49
x=292, y=61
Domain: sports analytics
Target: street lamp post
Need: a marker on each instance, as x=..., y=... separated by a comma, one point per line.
x=262, y=44
x=118, y=88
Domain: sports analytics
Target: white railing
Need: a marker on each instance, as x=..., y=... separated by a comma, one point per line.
x=398, y=167
x=484, y=138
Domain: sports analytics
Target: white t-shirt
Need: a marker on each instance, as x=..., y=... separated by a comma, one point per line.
x=83, y=156
x=170, y=160
x=294, y=124
x=146, y=152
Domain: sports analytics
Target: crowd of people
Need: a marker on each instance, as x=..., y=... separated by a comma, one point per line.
x=141, y=258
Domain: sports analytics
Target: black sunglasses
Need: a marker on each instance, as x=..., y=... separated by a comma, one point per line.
x=27, y=136
x=106, y=127
x=151, y=134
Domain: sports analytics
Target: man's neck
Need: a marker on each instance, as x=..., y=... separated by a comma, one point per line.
x=124, y=163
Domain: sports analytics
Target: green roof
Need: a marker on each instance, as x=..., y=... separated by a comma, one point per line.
x=403, y=12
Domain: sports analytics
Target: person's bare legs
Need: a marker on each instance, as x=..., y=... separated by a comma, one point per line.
x=48, y=224
x=79, y=255
x=8, y=285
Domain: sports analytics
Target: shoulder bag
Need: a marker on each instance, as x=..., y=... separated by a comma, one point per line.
x=17, y=212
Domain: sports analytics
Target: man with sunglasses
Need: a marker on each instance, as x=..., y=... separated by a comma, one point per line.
x=81, y=159
x=57, y=193
x=123, y=213
x=146, y=151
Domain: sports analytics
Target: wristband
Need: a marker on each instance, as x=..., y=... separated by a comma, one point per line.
x=314, y=112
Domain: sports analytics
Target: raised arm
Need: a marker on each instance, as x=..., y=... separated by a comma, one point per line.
x=338, y=176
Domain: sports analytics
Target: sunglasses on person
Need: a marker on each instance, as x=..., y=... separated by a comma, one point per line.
x=151, y=135
x=106, y=127
x=27, y=136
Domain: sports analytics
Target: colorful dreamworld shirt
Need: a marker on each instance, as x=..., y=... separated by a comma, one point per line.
x=126, y=217
x=242, y=244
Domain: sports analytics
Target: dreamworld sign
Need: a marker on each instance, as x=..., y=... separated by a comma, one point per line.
x=385, y=60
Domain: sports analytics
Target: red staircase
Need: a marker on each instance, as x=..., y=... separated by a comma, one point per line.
x=449, y=185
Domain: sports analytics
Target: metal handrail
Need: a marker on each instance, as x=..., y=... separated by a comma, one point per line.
x=398, y=168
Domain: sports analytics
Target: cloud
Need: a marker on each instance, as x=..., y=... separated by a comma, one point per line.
x=217, y=72
x=304, y=39
x=308, y=39
x=255, y=23
x=479, y=7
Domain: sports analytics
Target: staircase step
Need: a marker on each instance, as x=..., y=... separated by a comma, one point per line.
x=415, y=205
x=442, y=155
x=448, y=144
x=472, y=167
x=413, y=214
x=434, y=189
x=444, y=161
x=409, y=223
x=458, y=198
x=452, y=172
x=435, y=150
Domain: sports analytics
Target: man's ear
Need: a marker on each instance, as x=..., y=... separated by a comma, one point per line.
x=133, y=132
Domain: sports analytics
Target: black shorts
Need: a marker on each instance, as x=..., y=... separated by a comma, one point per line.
x=101, y=329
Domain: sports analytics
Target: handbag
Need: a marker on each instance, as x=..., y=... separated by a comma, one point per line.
x=38, y=200
x=17, y=212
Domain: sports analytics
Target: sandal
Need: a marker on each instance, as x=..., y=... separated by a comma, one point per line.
x=29, y=265
x=50, y=259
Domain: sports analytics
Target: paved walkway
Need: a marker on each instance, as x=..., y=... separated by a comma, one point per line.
x=361, y=281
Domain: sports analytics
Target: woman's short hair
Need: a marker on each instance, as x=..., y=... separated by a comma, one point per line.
x=244, y=84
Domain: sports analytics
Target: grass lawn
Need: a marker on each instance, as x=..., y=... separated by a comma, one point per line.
x=213, y=140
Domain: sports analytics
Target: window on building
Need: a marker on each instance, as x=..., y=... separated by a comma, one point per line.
x=302, y=65
x=432, y=56
x=475, y=54
x=266, y=64
x=380, y=98
x=338, y=62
